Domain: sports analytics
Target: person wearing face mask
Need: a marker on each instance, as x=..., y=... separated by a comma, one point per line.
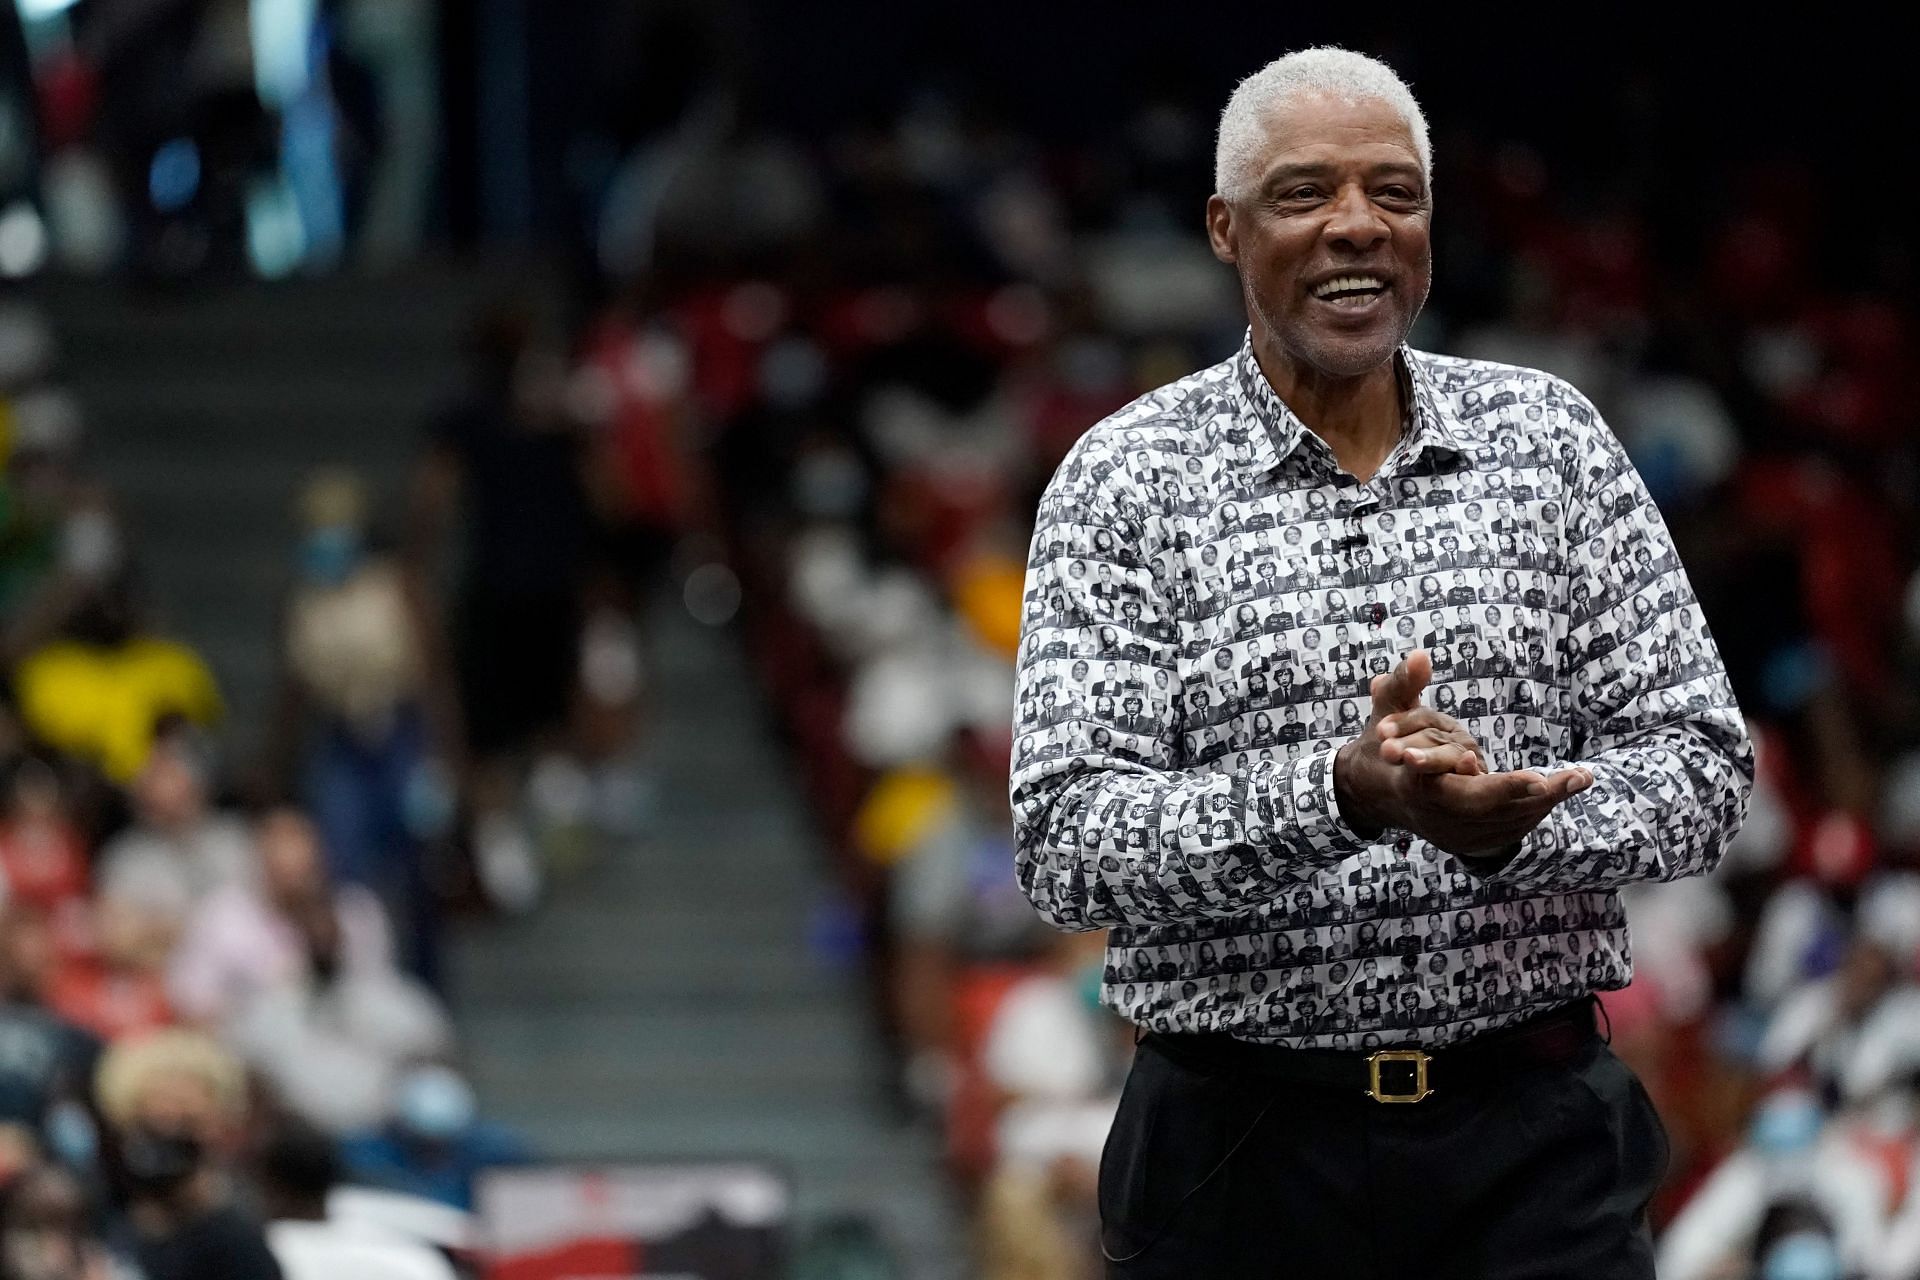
x=434, y=1144
x=173, y=1102
x=1792, y=1156
x=366, y=724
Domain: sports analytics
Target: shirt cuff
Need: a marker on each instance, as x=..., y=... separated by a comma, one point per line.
x=1518, y=860
x=1316, y=810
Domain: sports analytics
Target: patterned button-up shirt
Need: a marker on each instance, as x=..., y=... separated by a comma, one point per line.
x=1209, y=595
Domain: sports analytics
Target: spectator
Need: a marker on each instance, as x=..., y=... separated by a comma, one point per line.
x=1055, y=1059
x=46, y=1061
x=45, y=1233
x=173, y=1102
x=1791, y=1155
x=179, y=848
x=365, y=707
x=252, y=936
x=334, y=1028
x=433, y=1144
x=298, y=1166
x=950, y=909
x=42, y=858
x=1853, y=1031
x=119, y=988
x=102, y=693
x=512, y=454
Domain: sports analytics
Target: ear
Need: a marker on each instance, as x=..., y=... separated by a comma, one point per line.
x=1220, y=229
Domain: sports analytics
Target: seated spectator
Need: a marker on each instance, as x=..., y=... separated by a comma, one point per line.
x=333, y=1035
x=45, y=1231
x=173, y=1102
x=1796, y=1242
x=297, y=1168
x=1057, y=1059
x=119, y=987
x=1851, y=1031
x=46, y=1062
x=1790, y=1153
x=246, y=939
x=179, y=849
x=101, y=693
x=433, y=1145
x=42, y=861
x=952, y=905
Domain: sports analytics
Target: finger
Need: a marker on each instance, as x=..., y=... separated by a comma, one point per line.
x=1400, y=688
x=1566, y=784
x=1485, y=795
x=1528, y=794
x=1443, y=758
x=1398, y=724
x=1430, y=737
x=1393, y=750
x=1552, y=789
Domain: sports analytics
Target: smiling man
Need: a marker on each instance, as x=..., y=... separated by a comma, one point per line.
x=1474, y=1128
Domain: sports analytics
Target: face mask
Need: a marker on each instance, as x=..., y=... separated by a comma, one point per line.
x=1788, y=1124
x=1804, y=1255
x=71, y=1135
x=158, y=1163
x=435, y=1103
x=1089, y=979
x=328, y=555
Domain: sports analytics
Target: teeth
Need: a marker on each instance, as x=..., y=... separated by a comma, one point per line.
x=1342, y=284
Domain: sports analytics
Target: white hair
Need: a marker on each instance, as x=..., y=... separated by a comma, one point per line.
x=1335, y=72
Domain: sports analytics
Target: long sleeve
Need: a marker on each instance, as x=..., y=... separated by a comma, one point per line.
x=1117, y=819
x=1653, y=717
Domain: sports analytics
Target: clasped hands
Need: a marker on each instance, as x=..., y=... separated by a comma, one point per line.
x=1417, y=769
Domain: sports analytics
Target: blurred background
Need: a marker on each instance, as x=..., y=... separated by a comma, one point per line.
x=512, y=525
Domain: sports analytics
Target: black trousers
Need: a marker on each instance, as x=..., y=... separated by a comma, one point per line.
x=1543, y=1173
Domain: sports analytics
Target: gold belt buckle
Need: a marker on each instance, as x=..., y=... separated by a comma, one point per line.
x=1419, y=1060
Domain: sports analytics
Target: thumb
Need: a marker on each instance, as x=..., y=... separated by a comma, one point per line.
x=1400, y=689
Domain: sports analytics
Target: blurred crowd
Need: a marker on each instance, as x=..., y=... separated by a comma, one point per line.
x=222, y=1046
x=883, y=353
x=822, y=381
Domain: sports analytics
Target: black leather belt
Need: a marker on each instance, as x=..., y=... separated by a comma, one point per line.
x=1397, y=1073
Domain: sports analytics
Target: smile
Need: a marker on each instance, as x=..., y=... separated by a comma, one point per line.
x=1353, y=291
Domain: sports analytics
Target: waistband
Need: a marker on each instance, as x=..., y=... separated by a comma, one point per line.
x=1395, y=1073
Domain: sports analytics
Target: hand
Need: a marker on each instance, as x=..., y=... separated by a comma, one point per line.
x=1401, y=738
x=1477, y=816
x=1420, y=770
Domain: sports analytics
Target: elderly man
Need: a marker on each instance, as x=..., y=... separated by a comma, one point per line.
x=1489, y=1132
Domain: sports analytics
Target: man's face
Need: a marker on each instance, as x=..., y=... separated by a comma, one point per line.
x=1336, y=191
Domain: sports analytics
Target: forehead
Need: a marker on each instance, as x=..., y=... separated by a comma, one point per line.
x=1317, y=131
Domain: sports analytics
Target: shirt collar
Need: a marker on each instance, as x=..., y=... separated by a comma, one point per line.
x=1280, y=430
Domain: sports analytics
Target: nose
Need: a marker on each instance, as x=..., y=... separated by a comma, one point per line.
x=1354, y=222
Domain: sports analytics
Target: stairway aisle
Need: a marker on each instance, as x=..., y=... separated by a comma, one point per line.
x=208, y=408
x=666, y=1002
